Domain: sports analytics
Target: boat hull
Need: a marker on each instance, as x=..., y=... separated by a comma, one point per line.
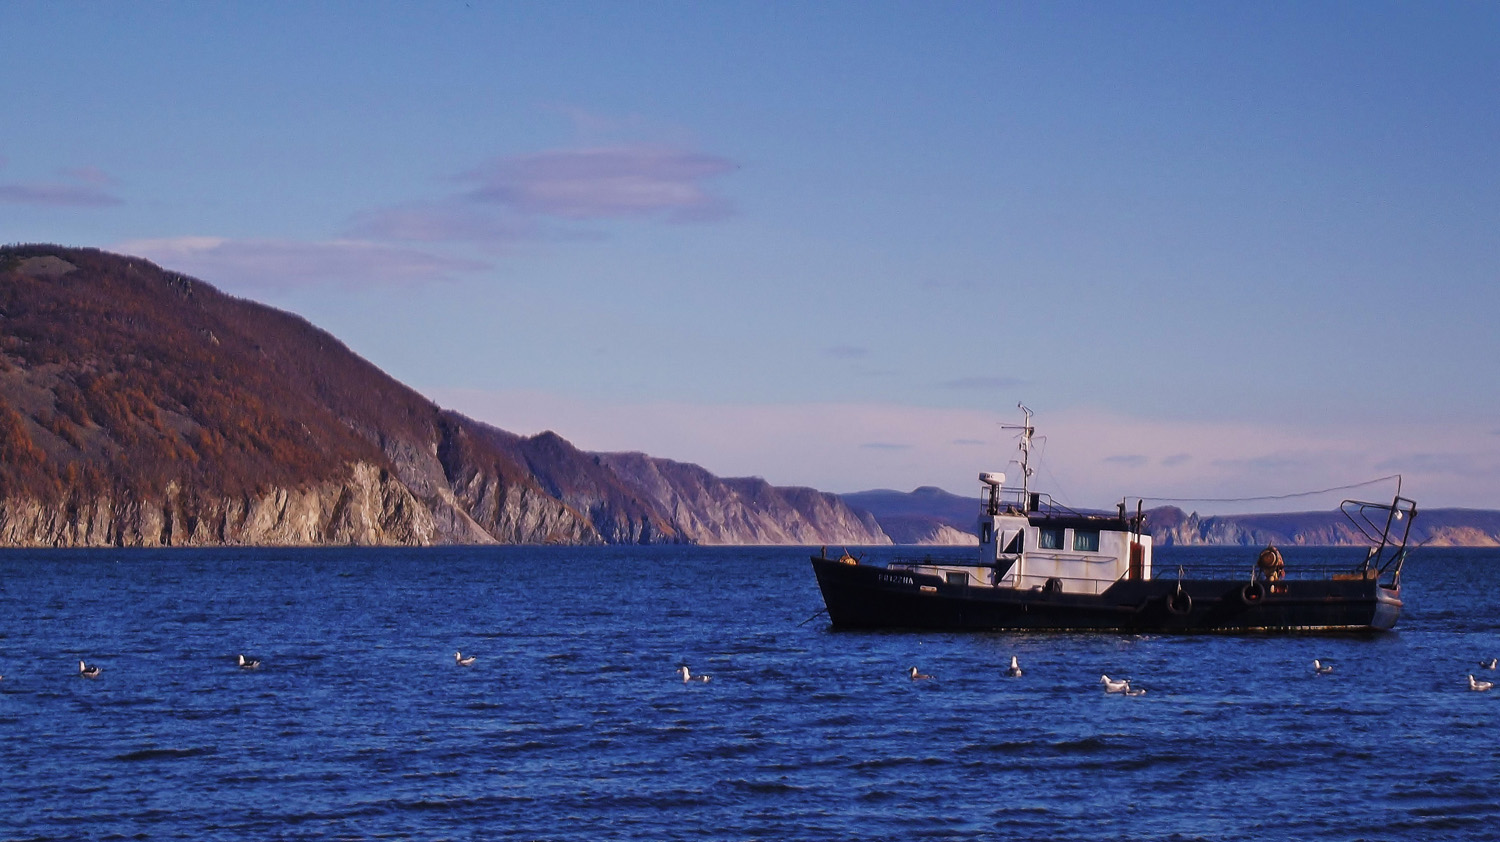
x=861, y=596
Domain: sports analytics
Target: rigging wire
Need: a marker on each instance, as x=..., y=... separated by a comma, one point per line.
x=1062, y=493
x=1396, y=477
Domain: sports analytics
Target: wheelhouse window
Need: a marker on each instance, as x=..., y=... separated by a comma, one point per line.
x=1050, y=538
x=1016, y=543
x=1086, y=540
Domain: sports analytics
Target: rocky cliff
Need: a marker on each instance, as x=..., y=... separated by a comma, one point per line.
x=740, y=511
x=141, y=407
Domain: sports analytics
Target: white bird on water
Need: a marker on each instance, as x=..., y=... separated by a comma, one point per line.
x=1321, y=668
x=458, y=658
x=687, y=675
x=1134, y=691
x=1488, y=664
x=87, y=671
x=249, y=663
x=917, y=676
x=1479, y=685
x=1114, y=685
x=1014, y=671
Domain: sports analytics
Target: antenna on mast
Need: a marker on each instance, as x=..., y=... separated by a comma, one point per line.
x=1026, y=432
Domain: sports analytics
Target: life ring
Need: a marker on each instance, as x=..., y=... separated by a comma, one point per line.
x=1180, y=602
x=1252, y=593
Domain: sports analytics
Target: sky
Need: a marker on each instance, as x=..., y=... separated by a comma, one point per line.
x=1223, y=251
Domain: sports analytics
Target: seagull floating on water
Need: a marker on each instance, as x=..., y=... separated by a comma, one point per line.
x=87, y=671
x=1014, y=671
x=1479, y=685
x=1114, y=685
x=458, y=658
x=917, y=676
x=249, y=663
x=1134, y=691
x=1488, y=664
x=1321, y=668
x=687, y=676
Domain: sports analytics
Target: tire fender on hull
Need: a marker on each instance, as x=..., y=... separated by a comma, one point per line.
x=1253, y=593
x=1179, y=602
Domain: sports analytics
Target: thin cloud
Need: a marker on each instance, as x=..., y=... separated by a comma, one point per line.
x=284, y=264
x=55, y=194
x=450, y=220
x=84, y=189
x=1176, y=459
x=846, y=352
x=619, y=182
x=983, y=383
x=535, y=198
x=89, y=175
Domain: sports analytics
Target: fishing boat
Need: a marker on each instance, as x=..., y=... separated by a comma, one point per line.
x=1042, y=566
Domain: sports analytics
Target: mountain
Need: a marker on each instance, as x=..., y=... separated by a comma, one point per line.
x=730, y=511
x=1432, y=527
x=142, y=407
x=932, y=516
x=927, y=515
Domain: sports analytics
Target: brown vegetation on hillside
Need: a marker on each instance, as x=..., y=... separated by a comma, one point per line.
x=118, y=375
x=140, y=406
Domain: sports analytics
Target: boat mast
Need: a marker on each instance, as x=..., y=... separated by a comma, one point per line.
x=1026, y=432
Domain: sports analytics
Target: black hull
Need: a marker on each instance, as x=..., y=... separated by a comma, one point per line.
x=860, y=596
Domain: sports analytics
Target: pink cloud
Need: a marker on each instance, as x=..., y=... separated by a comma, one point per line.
x=282, y=264
x=53, y=194
x=618, y=182
x=87, y=192
x=529, y=198
x=89, y=175
x=444, y=221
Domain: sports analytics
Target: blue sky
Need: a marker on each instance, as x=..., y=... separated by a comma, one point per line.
x=1223, y=250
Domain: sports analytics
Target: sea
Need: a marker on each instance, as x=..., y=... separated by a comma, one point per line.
x=573, y=722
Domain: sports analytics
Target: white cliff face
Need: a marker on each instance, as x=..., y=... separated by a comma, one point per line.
x=369, y=508
x=376, y=506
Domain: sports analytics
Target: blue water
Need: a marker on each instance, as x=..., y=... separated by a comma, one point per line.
x=573, y=724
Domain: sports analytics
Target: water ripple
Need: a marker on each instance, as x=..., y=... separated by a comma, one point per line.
x=574, y=725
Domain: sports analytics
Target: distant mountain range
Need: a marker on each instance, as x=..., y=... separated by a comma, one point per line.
x=932, y=516
x=142, y=407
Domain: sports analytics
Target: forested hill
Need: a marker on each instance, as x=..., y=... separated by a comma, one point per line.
x=142, y=407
